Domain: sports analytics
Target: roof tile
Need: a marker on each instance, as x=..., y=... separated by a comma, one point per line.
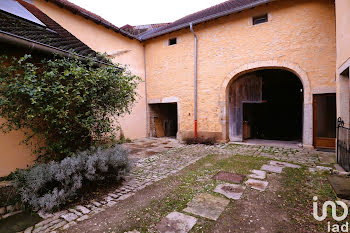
x=54, y=35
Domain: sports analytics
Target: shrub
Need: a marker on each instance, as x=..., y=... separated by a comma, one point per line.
x=200, y=140
x=48, y=186
x=69, y=105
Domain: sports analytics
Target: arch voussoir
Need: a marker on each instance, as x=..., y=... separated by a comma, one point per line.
x=270, y=64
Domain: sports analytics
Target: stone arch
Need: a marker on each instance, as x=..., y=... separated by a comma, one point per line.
x=271, y=64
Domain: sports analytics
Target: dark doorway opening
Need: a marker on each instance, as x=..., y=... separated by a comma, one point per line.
x=163, y=120
x=325, y=118
x=278, y=115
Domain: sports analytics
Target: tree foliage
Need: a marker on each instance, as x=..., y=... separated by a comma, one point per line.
x=67, y=104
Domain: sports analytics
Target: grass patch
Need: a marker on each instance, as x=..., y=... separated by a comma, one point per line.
x=299, y=187
x=194, y=179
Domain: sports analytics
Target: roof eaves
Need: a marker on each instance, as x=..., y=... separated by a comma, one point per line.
x=13, y=38
x=154, y=34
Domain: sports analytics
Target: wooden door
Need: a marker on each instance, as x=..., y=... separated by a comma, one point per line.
x=324, y=114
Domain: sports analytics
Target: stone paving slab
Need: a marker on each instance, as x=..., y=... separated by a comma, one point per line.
x=322, y=168
x=257, y=184
x=312, y=169
x=327, y=158
x=231, y=191
x=270, y=168
x=284, y=164
x=341, y=186
x=229, y=177
x=258, y=174
x=207, y=206
x=176, y=222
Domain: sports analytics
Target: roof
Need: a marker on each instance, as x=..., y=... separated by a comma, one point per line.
x=141, y=33
x=89, y=15
x=222, y=9
x=140, y=29
x=53, y=35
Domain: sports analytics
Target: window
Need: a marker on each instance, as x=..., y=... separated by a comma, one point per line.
x=260, y=19
x=172, y=41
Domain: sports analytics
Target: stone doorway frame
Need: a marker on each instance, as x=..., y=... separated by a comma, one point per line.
x=271, y=64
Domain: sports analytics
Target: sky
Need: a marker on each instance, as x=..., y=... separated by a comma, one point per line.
x=139, y=12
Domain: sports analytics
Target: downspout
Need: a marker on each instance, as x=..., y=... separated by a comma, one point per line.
x=195, y=80
x=145, y=74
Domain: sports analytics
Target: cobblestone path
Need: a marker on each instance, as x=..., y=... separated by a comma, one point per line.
x=146, y=171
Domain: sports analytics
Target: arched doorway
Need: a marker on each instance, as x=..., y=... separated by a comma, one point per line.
x=266, y=104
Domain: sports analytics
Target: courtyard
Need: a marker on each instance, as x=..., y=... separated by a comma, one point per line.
x=200, y=188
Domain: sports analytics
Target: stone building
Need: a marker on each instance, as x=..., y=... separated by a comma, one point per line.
x=264, y=69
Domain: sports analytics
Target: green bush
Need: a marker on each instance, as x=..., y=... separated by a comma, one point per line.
x=67, y=104
x=48, y=186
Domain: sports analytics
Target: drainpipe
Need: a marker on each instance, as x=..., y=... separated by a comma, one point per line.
x=195, y=79
x=145, y=74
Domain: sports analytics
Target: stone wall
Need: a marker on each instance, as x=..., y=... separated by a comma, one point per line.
x=343, y=59
x=300, y=34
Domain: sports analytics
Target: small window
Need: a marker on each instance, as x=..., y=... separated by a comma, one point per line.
x=172, y=41
x=260, y=19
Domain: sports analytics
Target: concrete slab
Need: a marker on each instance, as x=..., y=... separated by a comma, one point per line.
x=327, y=158
x=207, y=206
x=229, y=177
x=257, y=184
x=341, y=186
x=176, y=222
x=322, y=168
x=339, y=168
x=258, y=174
x=312, y=169
x=284, y=164
x=270, y=168
x=231, y=191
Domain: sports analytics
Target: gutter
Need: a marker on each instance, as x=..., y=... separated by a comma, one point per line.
x=211, y=17
x=34, y=45
x=195, y=80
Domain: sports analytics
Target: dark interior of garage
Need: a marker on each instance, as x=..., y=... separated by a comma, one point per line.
x=163, y=120
x=279, y=114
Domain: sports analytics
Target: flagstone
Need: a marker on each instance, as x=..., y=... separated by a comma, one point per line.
x=284, y=164
x=258, y=174
x=176, y=222
x=229, y=177
x=257, y=184
x=69, y=217
x=207, y=206
x=271, y=168
x=231, y=191
x=322, y=168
